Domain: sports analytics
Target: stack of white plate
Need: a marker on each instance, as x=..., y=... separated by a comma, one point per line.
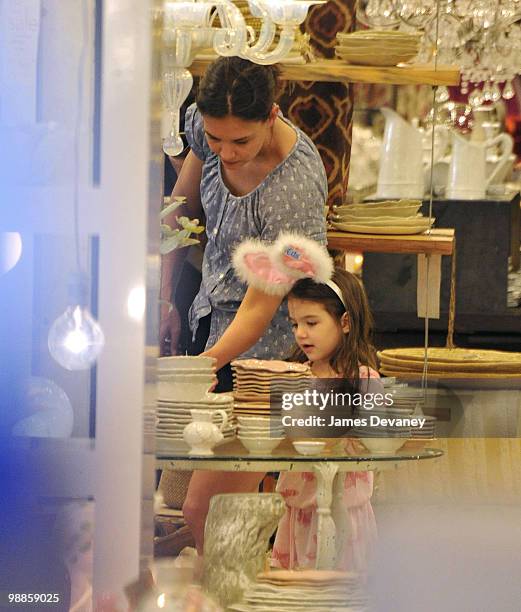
x=377, y=47
x=173, y=417
x=387, y=217
x=292, y=591
x=408, y=402
x=183, y=386
x=406, y=398
x=255, y=379
x=428, y=431
x=149, y=419
x=388, y=439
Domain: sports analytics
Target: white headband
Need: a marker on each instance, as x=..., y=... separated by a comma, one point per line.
x=332, y=285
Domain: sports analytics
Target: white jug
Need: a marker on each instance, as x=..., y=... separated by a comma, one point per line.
x=441, y=144
x=401, y=173
x=202, y=434
x=468, y=179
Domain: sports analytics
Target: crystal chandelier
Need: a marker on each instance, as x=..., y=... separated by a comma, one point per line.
x=190, y=25
x=481, y=37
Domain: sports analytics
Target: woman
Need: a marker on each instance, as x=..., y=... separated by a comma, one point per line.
x=253, y=174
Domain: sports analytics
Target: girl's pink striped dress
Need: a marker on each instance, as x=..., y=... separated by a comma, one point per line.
x=296, y=540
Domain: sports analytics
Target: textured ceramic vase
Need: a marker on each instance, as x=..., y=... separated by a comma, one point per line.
x=236, y=537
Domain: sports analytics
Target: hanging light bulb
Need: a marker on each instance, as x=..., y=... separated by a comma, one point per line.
x=76, y=339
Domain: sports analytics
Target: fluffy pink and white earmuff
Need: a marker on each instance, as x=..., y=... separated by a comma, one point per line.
x=274, y=268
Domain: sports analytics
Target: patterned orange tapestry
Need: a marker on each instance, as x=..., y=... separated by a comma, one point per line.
x=325, y=110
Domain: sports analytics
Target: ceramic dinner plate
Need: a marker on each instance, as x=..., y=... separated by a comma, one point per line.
x=386, y=221
x=381, y=220
x=179, y=435
x=262, y=374
x=276, y=366
x=375, y=33
x=381, y=204
x=173, y=414
x=211, y=398
x=390, y=229
x=383, y=60
x=398, y=211
x=375, y=48
x=266, y=413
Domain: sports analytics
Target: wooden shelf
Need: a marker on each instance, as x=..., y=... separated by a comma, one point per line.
x=439, y=241
x=335, y=70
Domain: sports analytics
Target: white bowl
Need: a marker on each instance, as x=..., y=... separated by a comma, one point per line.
x=185, y=361
x=309, y=447
x=184, y=371
x=173, y=375
x=265, y=433
x=188, y=380
x=383, y=446
x=260, y=430
x=260, y=446
x=260, y=422
x=188, y=391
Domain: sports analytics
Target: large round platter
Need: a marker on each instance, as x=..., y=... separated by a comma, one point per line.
x=452, y=355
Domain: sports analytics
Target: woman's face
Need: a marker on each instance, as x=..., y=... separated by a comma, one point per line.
x=236, y=141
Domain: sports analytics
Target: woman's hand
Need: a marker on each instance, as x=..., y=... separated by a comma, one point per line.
x=169, y=330
x=188, y=185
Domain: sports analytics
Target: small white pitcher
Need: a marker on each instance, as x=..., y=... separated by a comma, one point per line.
x=468, y=178
x=202, y=434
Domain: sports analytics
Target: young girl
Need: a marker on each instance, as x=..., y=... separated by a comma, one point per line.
x=332, y=327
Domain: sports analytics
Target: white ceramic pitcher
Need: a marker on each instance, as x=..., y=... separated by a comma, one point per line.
x=202, y=434
x=468, y=179
x=401, y=159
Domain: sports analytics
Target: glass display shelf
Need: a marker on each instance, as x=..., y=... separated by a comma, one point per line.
x=232, y=456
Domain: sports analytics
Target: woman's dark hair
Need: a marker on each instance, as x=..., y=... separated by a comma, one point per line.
x=238, y=87
x=356, y=348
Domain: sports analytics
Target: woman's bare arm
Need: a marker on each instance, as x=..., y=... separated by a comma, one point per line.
x=249, y=324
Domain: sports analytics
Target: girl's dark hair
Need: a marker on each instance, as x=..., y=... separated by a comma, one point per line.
x=356, y=348
x=238, y=87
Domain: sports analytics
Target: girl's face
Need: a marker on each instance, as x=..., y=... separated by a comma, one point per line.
x=237, y=141
x=317, y=332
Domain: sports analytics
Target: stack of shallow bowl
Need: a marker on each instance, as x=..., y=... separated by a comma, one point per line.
x=186, y=378
x=427, y=432
x=405, y=398
x=386, y=217
x=475, y=366
x=377, y=47
x=406, y=402
x=260, y=435
x=254, y=380
x=149, y=418
x=183, y=386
